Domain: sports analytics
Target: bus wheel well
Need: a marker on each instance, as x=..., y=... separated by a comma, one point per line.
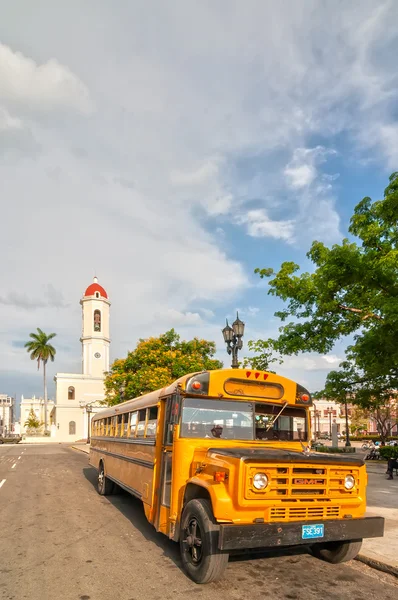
x=193, y=491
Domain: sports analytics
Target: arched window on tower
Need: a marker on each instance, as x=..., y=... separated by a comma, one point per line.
x=97, y=294
x=72, y=427
x=71, y=393
x=97, y=320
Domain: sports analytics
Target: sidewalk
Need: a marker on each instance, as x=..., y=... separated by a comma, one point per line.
x=382, y=501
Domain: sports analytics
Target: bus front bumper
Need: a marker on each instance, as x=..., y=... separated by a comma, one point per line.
x=271, y=535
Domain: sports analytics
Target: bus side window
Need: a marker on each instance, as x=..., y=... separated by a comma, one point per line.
x=133, y=423
x=113, y=426
x=119, y=430
x=152, y=422
x=108, y=426
x=125, y=424
x=141, y=422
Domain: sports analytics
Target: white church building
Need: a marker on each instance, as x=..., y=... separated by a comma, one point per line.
x=78, y=396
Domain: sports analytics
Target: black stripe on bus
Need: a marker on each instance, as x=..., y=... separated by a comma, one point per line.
x=127, y=487
x=136, y=461
x=144, y=441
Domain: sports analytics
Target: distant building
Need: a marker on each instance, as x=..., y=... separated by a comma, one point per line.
x=78, y=395
x=7, y=414
x=37, y=405
x=324, y=413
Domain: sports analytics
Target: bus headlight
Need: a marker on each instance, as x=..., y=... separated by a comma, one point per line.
x=260, y=481
x=349, y=482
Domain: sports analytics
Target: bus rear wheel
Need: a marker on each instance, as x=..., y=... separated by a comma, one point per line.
x=201, y=558
x=105, y=486
x=336, y=552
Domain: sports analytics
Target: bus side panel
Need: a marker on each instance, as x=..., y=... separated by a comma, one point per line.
x=131, y=464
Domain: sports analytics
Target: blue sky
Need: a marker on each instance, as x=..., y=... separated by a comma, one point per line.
x=172, y=148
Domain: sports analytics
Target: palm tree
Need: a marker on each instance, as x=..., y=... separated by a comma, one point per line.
x=42, y=351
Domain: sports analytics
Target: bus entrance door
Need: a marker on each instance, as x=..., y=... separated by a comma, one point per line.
x=171, y=411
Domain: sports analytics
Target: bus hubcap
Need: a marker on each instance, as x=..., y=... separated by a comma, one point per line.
x=193, y=540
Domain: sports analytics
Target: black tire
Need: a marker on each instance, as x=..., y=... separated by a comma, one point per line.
x=105, y=486
x=337, y=552
x=201, y=558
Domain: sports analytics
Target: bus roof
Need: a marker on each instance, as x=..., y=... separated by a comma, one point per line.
x=152, y=398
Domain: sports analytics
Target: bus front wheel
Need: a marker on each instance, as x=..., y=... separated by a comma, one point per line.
x=105, y=486
x=200, y=555
x=336, y=552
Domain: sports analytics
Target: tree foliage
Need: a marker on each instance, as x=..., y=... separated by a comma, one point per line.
x=264, y=356
x=352, y=291
x=32, y=422
x=373, y=395
x=156, y=362
x=39, y=348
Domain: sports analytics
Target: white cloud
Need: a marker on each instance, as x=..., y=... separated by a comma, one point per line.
x=40, y=87
x=258, y=224
x=7, y=121
x=177, y=318
x=200, y=175
x=302, y=170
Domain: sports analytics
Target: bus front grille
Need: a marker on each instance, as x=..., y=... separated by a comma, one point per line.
x=297, y=513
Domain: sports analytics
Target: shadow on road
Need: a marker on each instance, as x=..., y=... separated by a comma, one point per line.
x=133, y=510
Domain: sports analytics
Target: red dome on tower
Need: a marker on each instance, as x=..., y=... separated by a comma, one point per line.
x=95, y=287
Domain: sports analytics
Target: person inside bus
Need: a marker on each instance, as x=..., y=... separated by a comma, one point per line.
x=217, y=431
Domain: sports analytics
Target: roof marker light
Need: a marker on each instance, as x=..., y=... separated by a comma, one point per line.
x=257, y=375
x=248, y=373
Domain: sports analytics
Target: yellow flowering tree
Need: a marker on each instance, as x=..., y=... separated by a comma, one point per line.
x=156, y=362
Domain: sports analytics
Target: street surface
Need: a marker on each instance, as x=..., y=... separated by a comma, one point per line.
x=61, y=540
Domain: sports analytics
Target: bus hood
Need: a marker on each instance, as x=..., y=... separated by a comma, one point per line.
x=281, y=455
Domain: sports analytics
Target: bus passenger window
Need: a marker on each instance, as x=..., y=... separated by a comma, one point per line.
x=125, y=424
x=119, y=430
x=113, y=426
x=141, y=422
x=152, y=422
x=133, y=423
x=108, y=426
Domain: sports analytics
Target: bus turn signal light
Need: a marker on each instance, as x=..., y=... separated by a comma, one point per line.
x=196, y=385
x=219, y=476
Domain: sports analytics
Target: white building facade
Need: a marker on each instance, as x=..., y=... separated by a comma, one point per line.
x=324, y=413
x=37, y=406
x=78, y=396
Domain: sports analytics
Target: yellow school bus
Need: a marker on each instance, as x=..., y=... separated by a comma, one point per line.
x=222, y=463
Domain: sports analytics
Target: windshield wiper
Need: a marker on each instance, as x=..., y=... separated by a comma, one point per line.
x=277, y=417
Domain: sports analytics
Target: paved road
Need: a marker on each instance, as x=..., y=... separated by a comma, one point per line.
x=61, y=541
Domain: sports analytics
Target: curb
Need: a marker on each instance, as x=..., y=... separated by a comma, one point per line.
x=378, y=565
x=79, y=449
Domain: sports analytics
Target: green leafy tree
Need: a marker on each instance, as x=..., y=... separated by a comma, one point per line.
x=374, y=396
x=264, y=356
x=156, y=362
x=40, y=349
x=358, y=420
x=353, y=290
x=32, y=422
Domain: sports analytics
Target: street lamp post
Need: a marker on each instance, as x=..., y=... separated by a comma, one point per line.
x=233, y=339
x=329, y=411
x=89, y=410
x=347, y=435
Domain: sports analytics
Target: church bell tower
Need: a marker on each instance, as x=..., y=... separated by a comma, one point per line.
x=95, y=335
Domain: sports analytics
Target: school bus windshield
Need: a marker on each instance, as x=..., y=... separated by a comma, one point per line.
x=233, y=420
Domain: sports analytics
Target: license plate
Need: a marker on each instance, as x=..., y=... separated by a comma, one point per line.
x=312, y=531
